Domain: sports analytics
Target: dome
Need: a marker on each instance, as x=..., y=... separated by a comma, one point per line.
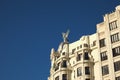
x=118, y=7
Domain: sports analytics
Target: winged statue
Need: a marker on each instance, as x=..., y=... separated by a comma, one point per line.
x=65, y=36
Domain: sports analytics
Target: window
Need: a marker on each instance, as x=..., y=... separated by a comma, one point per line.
x=79, y=71
x=86, y=57
x=116, y=51
x=77, y=47
x=85, y=45
x=64, y=77
x=78, y=57
x=80, y=46
x=102, y=42
x=117, y=78
x=94, y=43
x=103, y=56
x=113, y=25
x=63, y=53
x=87, y=70
x=57, y=78
x=117, y=66
x=114, y=38
x=57, y=66
x=105, y=70
x=64, y=64
x=73, y=51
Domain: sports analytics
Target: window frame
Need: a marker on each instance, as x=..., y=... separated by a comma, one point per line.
x=105, y=70
x=117, y=66
x=116, y=51
x=86, y=56
x=64, y=76
x=103, y=56
x=114, y=38
x=102, y=42
x=79, y=71
x=113, y=25
x=78, y=58
x=117, y=78
x=64, y=64
x=87, y=70
x=57, y=78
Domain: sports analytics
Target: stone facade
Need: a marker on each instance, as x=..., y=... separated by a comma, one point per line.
x=92, y=57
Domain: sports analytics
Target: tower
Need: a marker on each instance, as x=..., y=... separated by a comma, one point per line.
x=69, y=63
x=60, y=66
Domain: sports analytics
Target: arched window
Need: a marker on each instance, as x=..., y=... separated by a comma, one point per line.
x=79, y=71
x=86, y=57
x=64, y=64
x=79, y=57
x=64, y=76
x=87, y=70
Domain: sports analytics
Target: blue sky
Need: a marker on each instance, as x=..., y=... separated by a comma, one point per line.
x=30, y=28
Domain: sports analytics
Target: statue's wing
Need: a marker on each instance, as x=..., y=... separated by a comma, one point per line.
x=63, y=34
x=67, y=33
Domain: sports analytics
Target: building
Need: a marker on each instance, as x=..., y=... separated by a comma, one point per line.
x=92, y=57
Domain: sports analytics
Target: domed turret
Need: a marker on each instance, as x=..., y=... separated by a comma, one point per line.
x=118, y=7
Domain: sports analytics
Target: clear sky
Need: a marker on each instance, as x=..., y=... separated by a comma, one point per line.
x=30, y=28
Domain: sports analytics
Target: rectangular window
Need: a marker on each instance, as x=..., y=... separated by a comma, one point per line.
x=105, y=70
x=87, y=70
x=114, y=38
x=117, y=78
x=64, y=76
x=79, y=71
x=116, y=51
x=86, y=57
x=64, y=64
x=63, y=53
x=102, y=42
x=94, y=43
x=57, y=78
x=73, y=51
x=78, y=57
x=57, y=66
x=117, y=66
x=103, y=56
x=113, y=25
x=80, y=46
x=85, y=45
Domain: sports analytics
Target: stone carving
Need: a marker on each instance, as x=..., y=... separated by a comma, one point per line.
x=65, y=36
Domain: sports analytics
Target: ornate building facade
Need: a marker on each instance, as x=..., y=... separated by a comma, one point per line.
x=92, y=57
